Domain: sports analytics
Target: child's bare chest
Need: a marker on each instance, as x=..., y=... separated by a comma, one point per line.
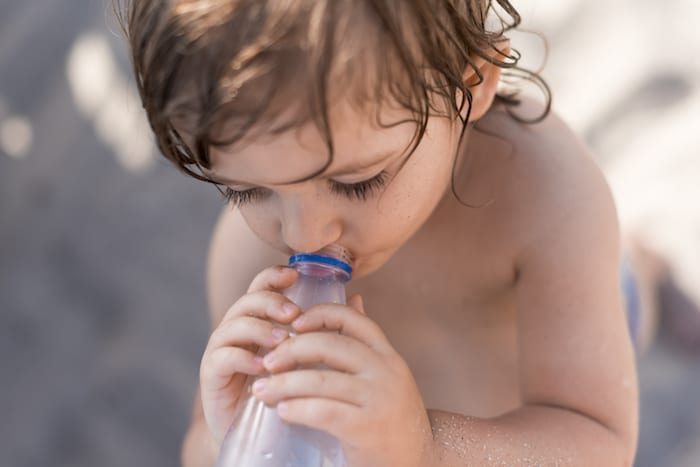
x=450, y=314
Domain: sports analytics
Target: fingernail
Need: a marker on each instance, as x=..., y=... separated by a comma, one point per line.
x=289, y=308
x=287, y=270
x=299, y=321
x=279, y=334
x=282, y=408
x=269, y=358
x=259, y=385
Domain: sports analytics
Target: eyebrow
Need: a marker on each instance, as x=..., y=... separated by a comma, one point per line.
x=382, y=157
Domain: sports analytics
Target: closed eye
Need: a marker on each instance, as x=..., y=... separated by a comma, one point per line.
x=242, y=197
x=360, y=191
x=363, y=190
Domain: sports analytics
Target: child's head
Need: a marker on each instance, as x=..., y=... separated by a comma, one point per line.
x=269, y=92
x=263, y=66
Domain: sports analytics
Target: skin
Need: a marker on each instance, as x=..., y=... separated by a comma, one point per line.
x=475, y=336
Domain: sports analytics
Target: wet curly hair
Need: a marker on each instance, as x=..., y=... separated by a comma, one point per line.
x=213, y=72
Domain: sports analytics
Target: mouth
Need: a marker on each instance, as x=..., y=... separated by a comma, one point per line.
x=338, y=252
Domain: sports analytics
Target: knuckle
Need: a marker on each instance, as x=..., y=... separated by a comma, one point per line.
x=287, y=348
x=325, y=318
x=277, y=382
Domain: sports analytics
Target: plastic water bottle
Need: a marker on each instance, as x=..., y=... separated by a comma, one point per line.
x=258, y=437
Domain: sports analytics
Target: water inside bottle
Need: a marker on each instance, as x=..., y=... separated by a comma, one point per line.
x=258, y=438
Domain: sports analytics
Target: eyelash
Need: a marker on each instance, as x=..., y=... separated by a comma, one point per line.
x=241, y=197
x=360, y=191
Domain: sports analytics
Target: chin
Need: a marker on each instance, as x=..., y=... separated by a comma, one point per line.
x=366, y=266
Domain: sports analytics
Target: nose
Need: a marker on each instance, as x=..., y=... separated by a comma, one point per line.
x=310, y=223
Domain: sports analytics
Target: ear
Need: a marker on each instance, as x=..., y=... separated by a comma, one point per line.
x=484, y=92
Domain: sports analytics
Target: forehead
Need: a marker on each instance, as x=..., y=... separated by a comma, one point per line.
x=359, y=138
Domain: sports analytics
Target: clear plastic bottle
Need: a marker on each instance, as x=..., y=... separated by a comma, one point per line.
x=258, y=437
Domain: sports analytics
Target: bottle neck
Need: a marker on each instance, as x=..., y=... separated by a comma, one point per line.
x=312, y=268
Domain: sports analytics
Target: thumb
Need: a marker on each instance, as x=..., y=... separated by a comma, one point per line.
x=357, y=303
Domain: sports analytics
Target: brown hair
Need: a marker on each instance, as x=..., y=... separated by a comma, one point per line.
x=222, y=70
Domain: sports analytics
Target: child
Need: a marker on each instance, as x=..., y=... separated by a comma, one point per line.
x=486, y=325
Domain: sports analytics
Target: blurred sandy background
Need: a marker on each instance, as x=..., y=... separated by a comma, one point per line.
x=102, y=244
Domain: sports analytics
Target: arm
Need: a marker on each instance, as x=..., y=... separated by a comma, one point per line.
x=577, y=376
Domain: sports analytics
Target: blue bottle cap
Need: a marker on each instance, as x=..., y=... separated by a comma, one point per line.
x=320, y=259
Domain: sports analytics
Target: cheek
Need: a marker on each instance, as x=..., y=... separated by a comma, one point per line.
x=263, y=221
x=423, y=179
x=413, y=195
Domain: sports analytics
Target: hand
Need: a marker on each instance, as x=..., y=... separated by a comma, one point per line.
x=366, y=396
x=231, y=353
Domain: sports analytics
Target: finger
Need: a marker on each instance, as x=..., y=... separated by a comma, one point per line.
x=333, y=350
x=274, y=278
x=346, y=321
x=219, y=366
x=246, y=331
x=266, y=305
x=331, y=416
x=325, y=384
x=357, y=303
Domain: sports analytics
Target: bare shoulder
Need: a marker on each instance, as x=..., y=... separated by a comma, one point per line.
x=550, y=180
x=236, y=255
